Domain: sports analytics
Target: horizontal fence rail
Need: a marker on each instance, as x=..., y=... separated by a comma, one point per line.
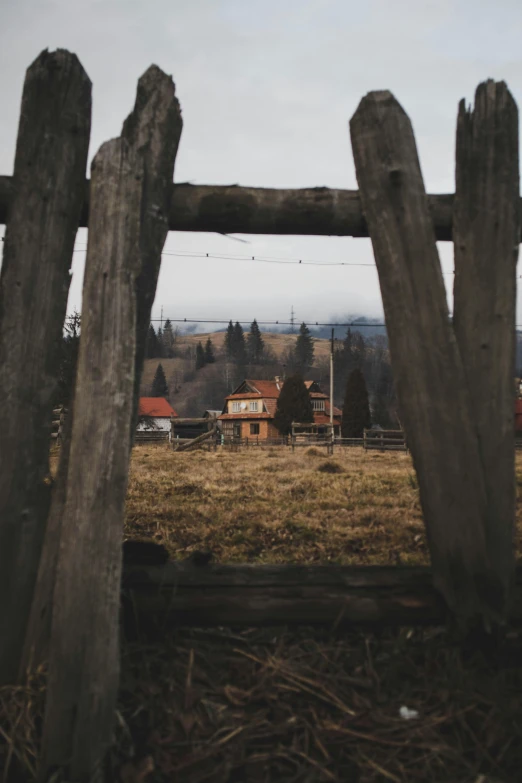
x=183, y=593
x=349, y=442
x=149, y=436
x=230, y=209
x=385, y=440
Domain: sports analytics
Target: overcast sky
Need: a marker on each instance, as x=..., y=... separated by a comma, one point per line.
x=267, y=90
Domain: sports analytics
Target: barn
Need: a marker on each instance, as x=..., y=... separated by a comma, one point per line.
x=154, y=415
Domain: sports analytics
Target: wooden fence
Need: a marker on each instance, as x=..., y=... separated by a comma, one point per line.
x=151, y=436
x=236, y=443
x=349, y=442
x=385, y=440
x=174, y=594
x=60, y=544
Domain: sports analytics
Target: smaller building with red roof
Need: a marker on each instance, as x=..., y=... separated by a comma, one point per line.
x=155, y=413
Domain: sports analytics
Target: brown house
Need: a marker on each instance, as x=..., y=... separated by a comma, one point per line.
x=249, y=411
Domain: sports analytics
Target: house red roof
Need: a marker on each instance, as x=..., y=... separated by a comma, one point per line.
x=158, y=407
x=269, y=391
x=336, y=411
x=321, y=418
x=253, y=416
x=271, y=406
x=245, y=396
x=266, y=388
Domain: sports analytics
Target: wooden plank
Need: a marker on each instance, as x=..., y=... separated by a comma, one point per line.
x=175, y=421
x=486, y=231
x=49, y=171
x=230, y=209
x=177, y=594
x=195, y=442
x=125, y=224
x=36, y=643
x=157, y=191
x=427, y=368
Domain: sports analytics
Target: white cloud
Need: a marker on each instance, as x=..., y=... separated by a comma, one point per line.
x=267, y=90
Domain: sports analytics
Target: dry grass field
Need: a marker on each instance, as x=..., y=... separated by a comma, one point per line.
x=309, y=705
x=275, y=506
x=305, y=705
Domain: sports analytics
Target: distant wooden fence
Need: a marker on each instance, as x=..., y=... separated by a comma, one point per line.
x=60, y=544
x=195, y=433
x=385, y=440
x=349, y=442
x=232, y=443
x=151, y=436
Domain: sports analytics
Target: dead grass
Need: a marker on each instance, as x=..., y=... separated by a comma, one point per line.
x=308, y=706
x=300, y=706
x=276, y=506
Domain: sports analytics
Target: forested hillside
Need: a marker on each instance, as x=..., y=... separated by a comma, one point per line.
x=202, y=369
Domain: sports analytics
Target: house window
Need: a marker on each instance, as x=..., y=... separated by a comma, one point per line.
x=253, y=406
x=318, y=405
x=236, y=407
x=254, y=428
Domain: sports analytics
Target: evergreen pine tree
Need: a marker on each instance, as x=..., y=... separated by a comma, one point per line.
x=348, y=342
x=358, y=350
x=255, y=344
x=356, y=409
x=304, y=348
x=293, y=404
x=229, y=341
x=200, y=356
x=380, y=413
x=383, y=397
x=239, y=349
x=159, y=334
x=209, y=352
x=159, y=384
x=151, y=350
x=169, y=340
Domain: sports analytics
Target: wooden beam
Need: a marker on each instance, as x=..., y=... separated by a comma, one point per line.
x=126, y=228
x=157, y=189
x=195, y=441
x=427, y=365
x=50, y=160
x=486, y=231
x=175, y=421
x=231, y=209
x=157, y=596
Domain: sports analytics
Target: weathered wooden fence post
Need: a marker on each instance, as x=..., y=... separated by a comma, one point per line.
x=428, y=369
x=48, y=192
x=486, y=234
x=130, y=193
x=155, y=186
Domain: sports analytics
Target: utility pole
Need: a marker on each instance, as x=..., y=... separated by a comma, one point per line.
x=161, y=319
x=292, y=319
x=332, y=385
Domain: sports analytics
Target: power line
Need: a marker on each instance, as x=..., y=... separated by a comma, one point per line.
x=263, y=323
x=255, y=259
x=277, y=323
x=263, y=259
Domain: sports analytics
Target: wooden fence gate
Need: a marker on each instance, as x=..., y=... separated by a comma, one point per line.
x=60, y=543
